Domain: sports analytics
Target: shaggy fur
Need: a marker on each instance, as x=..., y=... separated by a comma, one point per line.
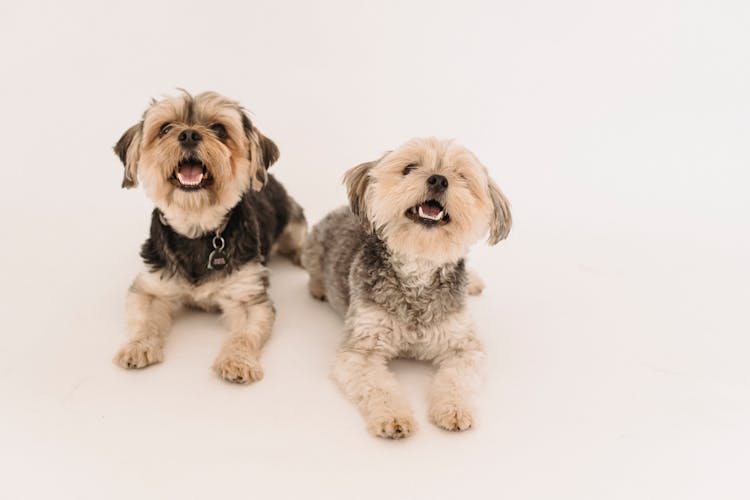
x=252, y=226
x=400, y=281
x=204, y=164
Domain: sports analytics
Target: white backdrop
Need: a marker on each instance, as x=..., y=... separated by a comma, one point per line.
x=615, y=315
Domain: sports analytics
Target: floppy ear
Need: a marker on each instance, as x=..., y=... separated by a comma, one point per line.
x=263, y=153
x=128, y=148
x=501, y=219
x=269, y=149
x=356, y=181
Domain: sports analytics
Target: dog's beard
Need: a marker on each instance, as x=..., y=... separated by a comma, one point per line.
x=437, y=228
x=196, y=188
x=173, y=176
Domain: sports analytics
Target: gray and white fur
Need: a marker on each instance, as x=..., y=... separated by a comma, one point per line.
x=393, y=265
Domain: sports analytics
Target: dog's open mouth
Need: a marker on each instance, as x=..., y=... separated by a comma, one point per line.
x=191, y=174
x=429, y=213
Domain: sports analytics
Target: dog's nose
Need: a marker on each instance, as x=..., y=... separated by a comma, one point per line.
x=189, y=138
x=437, y=183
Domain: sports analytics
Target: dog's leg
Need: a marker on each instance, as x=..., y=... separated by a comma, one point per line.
x=290, y=241
x=366, y=380
x=250, y=324
x=312, y=261
x=149, y=320
x=475, y=286
x=455, y=383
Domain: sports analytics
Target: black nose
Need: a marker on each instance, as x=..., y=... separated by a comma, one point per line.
x=437, y=183
x=189, y=138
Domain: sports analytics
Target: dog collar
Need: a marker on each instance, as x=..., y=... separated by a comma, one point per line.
x=217, y=259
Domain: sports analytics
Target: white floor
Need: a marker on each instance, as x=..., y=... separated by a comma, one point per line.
x=615, y=317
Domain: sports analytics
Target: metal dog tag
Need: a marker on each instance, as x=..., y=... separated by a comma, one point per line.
x=217, y=259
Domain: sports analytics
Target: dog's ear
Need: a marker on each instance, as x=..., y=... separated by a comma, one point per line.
x=356, y=181
x=501, y=218
x=263, y=152
x=128, y=148
x=270, y=150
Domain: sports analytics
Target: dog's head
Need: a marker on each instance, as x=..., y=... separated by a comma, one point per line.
x=429, y=198
x=193, y=152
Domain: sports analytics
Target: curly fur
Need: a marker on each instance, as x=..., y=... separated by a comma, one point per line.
x=248, y=206
x=401, y=284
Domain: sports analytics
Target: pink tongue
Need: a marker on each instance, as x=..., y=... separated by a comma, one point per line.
x=190, y=174
x=430, y=210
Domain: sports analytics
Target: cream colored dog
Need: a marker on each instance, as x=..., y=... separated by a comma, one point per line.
x=393, y=264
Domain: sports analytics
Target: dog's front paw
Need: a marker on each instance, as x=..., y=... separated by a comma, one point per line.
x=475, y=284
x=238, y=368
x=451, y=417
x=139, y=354
x=391, y=426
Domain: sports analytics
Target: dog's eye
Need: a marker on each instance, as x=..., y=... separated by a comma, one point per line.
x=164, y=130
x=219, y=130
x=409, y=168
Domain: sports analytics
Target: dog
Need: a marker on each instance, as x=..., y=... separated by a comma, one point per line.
x=393, y=264
x=218, y=216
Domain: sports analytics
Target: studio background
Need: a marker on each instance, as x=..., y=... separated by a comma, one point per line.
x=615, y=315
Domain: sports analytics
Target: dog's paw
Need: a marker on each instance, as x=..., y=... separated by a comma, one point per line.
x=139, y=354
x=317, y=291
x=392, y=426
x=238, y=368
x=296, y=257
x=475, y=286
x=452, y=417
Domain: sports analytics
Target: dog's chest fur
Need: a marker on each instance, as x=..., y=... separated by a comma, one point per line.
x=414, y=294
x=251, y=228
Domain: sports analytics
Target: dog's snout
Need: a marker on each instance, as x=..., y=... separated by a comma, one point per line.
x=189, y=137
x=437, y=183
